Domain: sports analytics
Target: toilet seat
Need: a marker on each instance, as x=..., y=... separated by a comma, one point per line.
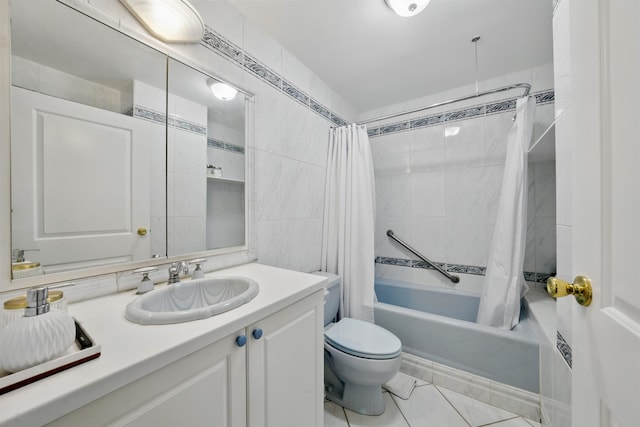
x=363, y=339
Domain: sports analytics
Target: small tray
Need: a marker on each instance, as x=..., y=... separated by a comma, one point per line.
x=83, y=350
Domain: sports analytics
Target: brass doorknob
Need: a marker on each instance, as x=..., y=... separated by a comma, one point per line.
x=142, y=231
x=580, y=288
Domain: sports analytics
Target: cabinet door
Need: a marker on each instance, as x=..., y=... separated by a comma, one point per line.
x=285, y=366
x=205, y=388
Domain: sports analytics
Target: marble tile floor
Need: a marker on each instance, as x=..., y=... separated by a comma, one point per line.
x=428, y=406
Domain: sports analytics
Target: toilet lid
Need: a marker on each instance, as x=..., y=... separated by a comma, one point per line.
x=363, y=339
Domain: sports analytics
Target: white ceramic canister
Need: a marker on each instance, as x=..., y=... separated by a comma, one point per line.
x=13, y=308
x=42, y=334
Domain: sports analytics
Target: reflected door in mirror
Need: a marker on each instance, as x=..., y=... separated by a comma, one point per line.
x=80, y=181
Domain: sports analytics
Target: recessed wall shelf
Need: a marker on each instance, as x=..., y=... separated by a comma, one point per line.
x=215, y=178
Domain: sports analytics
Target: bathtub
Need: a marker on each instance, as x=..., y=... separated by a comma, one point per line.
x=438, y=324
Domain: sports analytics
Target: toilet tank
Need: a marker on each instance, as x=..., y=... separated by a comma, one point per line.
x=331, y=297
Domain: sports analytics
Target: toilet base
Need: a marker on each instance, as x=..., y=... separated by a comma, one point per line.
x=356, y=383
x=365, y=400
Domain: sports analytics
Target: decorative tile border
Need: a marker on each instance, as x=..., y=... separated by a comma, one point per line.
x=501, y=107
x=456, y=268
x=495, y=107
x=545, y=97
x=503, y=396
x=223, y=47
x=262, y=72
x=221, y=145
x=401, y=262
x=228, y=50
x=564, y=348
x=464, y=114
x=148, y=114
x=188, y=126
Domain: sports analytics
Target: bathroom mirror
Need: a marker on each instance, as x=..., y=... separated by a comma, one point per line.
x=205, y=179
x=87, y=168
x=100, y=174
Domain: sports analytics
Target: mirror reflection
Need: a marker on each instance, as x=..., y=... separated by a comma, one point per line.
x=205, y=178
x=84, y=162
x=100, y=173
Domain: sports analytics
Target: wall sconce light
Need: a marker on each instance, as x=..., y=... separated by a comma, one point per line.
x=173, y=21
x=221, y=90
x=406, y=8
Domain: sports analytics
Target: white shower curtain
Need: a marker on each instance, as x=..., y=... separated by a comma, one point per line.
x=504, y=281
x=349, y=215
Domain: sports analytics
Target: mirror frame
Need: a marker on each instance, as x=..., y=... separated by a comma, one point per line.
x=6, y=283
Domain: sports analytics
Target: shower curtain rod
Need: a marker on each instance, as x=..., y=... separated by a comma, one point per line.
x=525, y=86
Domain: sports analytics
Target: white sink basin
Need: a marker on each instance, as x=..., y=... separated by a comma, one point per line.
x=191, y=300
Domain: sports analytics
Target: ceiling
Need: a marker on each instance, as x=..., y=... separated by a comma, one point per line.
x=374, y=58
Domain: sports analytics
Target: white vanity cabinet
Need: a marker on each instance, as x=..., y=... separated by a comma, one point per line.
x=272, y=379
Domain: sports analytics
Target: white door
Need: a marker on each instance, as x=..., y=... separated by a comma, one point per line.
x=605, y=73
x=80, y=182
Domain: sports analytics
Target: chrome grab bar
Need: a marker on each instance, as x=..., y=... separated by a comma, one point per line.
x=454, y=279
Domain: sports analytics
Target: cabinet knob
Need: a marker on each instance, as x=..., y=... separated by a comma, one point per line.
x=241, y=340
x=257, y=333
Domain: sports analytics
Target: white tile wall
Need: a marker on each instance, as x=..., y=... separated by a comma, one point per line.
x=153, y=98
x=555, y=387
x=225, y=214
x=186, y=109
x=287, y=188
x=149, y=97
x=49, y=81
x=225, y=133
x=555, y=384
x=186, y=180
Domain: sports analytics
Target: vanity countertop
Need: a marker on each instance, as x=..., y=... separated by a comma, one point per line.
x=131, y=351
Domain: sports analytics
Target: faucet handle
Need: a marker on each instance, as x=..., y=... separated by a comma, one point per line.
x=198, y=273
x=145, y=284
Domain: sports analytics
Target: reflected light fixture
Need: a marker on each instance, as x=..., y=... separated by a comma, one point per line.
x=173, y=21
x=221, y=90
x=406, y=8
x=451, y=131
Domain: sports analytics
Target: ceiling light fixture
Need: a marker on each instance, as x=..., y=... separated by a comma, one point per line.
x=173, y=21
x=222, y=90
x=406, y=8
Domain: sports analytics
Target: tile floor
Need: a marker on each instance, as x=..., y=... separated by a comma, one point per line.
x=428, y=406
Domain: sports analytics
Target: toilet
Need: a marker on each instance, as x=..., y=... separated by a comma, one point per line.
x=358, y=356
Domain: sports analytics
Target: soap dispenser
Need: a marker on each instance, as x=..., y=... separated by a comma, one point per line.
x=41, y=335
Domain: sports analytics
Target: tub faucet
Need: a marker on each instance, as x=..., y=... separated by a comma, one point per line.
x=175, y=270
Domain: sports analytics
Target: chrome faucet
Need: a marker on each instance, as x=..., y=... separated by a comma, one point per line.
x=17, y=255
x=175, y=270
